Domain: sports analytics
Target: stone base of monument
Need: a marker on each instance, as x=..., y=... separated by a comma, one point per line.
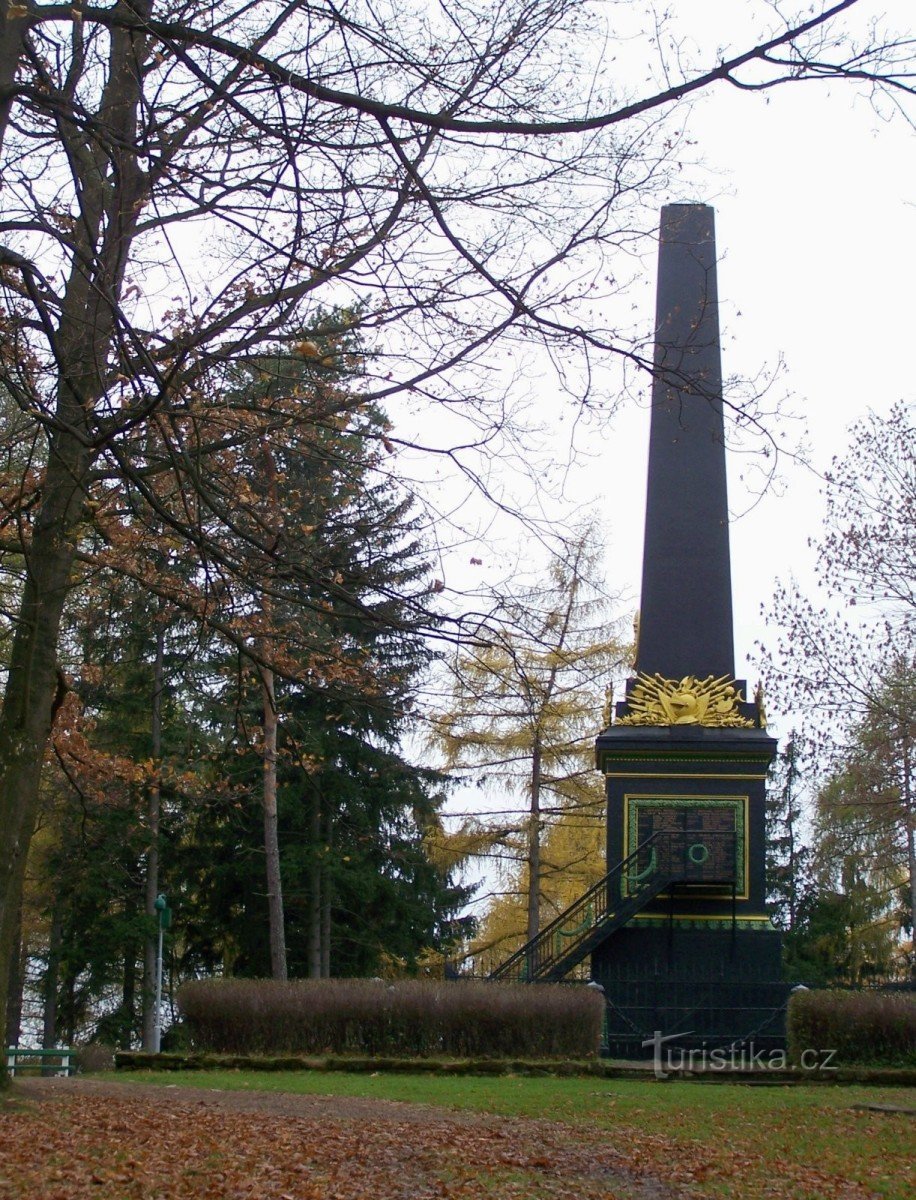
x=696, y=988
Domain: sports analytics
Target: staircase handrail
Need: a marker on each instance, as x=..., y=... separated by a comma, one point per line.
x=603, y=884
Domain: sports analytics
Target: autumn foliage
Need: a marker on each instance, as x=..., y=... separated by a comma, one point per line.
x=157, y=1145
x=466, y=1019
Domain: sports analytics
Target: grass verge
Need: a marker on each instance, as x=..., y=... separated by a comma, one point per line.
x=136, y=1060
x=746, y=1142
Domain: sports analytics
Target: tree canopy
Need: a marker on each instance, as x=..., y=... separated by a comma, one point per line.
x=188, y=183
x=846, y=662
x=521, y=721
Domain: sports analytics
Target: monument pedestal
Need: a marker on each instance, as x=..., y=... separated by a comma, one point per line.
x=712, y=988
x=702, y=959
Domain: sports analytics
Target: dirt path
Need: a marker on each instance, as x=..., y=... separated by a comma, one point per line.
x=68, y=1139
x=286, y=1104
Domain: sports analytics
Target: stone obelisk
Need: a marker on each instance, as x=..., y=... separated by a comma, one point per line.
x=685, y=619
x=686, y=752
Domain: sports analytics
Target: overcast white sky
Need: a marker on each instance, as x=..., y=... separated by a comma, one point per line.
x=815, y=215
x=815, y=223
x=815, y=219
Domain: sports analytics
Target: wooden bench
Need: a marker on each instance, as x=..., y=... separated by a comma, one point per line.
x=64, y=1064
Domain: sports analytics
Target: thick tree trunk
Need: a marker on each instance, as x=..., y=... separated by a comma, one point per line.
x=14, y=26
x=271, y=838
x=69, y=1008
x=33, y=692
x=112, y=186
x=16, y=984
x=269, y=704
x=151, y=942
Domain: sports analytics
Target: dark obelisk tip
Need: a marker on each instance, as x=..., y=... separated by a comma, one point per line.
x=685, y=623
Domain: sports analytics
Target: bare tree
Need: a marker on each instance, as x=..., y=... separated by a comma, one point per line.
x=848, y=659
x=835, y=654
x=185, y=182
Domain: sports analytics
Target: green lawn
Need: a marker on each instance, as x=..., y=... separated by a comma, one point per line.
x=745, y=1141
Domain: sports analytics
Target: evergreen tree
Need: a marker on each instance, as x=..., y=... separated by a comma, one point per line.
x=353, y=814
x=866, y=829
x=93, y=859
x=788, y=859
x=359, y=885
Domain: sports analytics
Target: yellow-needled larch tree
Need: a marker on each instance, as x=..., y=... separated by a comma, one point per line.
x=526, y=702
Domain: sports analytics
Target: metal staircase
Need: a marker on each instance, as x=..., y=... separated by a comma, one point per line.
x=664, y=858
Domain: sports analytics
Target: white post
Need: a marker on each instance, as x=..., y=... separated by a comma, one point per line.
x=157, y=1025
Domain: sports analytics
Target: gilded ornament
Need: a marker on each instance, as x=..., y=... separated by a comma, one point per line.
x=761, y=707
x=712, y=701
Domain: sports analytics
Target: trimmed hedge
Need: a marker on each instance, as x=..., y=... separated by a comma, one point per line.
x=876, y=1028
x=409, y=1018
x=95, y=1056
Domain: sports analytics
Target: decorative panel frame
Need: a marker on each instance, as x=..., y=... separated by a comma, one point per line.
x=634, y=803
